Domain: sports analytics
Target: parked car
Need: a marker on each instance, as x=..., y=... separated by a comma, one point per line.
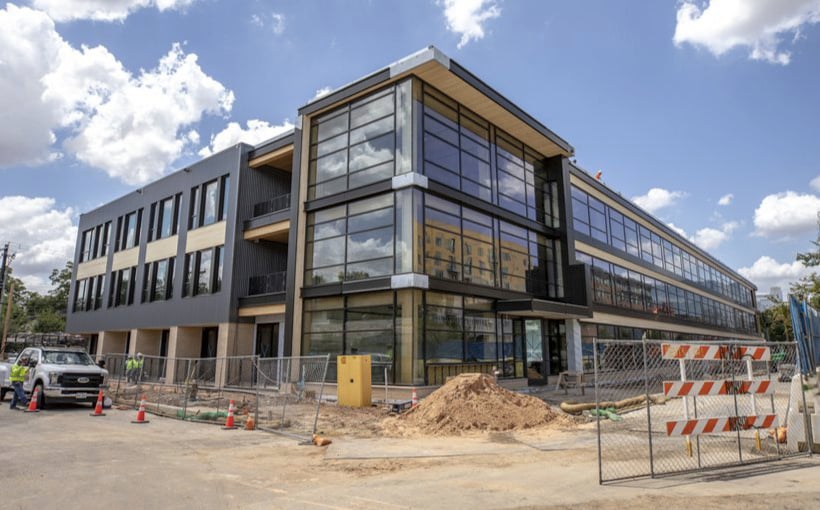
x=63, y=374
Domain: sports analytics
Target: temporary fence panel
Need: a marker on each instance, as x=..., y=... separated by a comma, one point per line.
x=672, y=407
x=282, y=394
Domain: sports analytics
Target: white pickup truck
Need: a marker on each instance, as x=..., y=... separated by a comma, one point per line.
x=63, y=375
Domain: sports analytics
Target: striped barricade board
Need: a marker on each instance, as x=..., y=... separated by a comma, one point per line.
x=712, y=352
x=703, y=426
x=723, y=387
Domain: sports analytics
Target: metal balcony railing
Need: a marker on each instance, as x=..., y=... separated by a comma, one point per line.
x=279, y=203
x=267, y=283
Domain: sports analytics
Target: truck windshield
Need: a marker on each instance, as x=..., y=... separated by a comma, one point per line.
x=67, y=358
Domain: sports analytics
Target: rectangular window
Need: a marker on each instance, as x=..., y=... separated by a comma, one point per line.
x=193, y=213
x=354, y=145
x=209, y=204
x=80, y=295
x=87, y=243
x=202, y=272
x=123, y=290
x=351, y=242
x=128, y=227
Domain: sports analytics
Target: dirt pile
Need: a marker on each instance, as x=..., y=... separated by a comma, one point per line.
x=474, y=403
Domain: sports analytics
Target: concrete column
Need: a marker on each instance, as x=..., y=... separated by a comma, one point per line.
x=146, y=341
x=223, y=348
x=182, y=343
x=111, y=342
x=574, y=351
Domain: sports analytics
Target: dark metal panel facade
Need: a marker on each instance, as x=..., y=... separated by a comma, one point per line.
x=199, y=310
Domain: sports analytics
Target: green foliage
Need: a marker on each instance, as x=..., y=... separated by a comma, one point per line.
x=37, y=313
x=776, y=323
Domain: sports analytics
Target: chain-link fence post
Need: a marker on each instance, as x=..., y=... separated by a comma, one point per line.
x=596, y=369
x=648, y=408
x=321, y=392
x=809, y=436
x=256, y=374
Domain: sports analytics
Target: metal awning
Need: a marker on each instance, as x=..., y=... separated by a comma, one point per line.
x=543, y=309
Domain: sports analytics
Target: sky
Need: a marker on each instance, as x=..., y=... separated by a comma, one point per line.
x=704, y=113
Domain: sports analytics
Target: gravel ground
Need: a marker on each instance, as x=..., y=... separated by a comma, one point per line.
x=62, y=458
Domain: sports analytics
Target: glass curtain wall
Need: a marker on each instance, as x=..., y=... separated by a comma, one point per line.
x=465, y=152
x=617, y=286
x=593, y=218
x=363, y=142
x=418, y=336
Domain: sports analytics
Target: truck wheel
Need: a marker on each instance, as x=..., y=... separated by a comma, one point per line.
x=3, y=394
x=41, y=398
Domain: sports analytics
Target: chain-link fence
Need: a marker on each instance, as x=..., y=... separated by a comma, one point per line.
x=281, y=394
x=674, y=407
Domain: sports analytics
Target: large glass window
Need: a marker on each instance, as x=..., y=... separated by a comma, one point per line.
x=594, y=219
x=466, y=245
x=351, y=242
x=616, y=286
x=465, y=152
x=357, y=144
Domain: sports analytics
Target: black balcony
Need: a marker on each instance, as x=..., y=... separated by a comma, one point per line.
x=275, y=204
x=272, y=283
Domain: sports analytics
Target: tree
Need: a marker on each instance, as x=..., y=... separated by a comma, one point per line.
x=33, y=312
x=776, y=323
x=808, y=287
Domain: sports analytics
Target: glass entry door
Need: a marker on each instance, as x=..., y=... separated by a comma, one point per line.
x=557, y=346
x=537, y=365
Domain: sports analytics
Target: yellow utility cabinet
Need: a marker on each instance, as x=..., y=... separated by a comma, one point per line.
x=354, y=384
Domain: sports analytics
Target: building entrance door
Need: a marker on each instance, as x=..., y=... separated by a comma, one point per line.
x=557, y=347
x=267, y=340
x=537, y=362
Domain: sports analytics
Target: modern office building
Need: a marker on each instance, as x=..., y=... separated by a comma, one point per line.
x=416, y=215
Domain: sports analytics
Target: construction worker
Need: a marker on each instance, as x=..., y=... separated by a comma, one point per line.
x=138, y=364
x=130, y=365
x=19, y=371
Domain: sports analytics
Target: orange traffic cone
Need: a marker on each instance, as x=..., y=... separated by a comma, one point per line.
x=229, y=421
x=141, y=413
x=98, y=407
x=414, y=398
x=249, y=423
x=32, y=404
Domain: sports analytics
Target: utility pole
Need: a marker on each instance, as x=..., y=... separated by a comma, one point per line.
x=6, y=321
x=3, y=264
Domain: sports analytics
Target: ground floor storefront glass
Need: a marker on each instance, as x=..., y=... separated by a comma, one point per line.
x=416, y=337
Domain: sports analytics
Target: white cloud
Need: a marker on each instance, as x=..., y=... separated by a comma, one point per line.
x=708, y=238
x=726, y=199
x=256, y=131
x=132, y=127
x=102, y=10
x=786, y=214
x=681, y=232
x=815, y=183
x=766, y=272
x=276, y=20
x=658, y=198
x=467, y=17
x=758, y=25
x=42, y=235
x=321, y=93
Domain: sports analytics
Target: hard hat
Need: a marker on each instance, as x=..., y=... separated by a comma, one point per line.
x=139, y=354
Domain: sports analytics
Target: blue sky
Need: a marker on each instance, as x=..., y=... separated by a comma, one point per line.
x=693, y=101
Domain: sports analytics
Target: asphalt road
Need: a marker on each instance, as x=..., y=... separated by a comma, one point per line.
x=63, y=458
